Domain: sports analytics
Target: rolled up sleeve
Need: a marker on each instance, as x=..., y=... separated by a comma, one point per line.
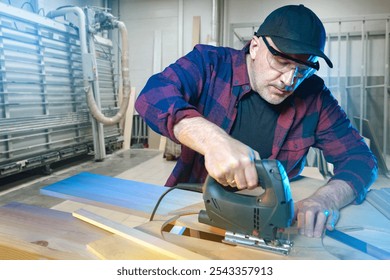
x=345, y=148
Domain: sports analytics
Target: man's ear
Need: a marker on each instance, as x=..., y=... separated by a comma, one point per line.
x=254, y=46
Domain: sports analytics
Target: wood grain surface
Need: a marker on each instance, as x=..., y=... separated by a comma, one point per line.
x=48, y=229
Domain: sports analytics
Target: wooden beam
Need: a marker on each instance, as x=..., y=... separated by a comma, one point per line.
x=163, y=143
x=128, y=123
x=116, y=247
x=149, y=241
x=32, y=232
x=195, y=30
x=16, y=249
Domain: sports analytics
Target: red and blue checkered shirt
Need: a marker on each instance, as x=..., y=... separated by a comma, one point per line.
x=210, y=81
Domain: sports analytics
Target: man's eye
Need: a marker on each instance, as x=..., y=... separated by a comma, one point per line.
x=283, y=62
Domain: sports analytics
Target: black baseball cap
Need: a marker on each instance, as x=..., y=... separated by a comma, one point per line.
x=295, y=29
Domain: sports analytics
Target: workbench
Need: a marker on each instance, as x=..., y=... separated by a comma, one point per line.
x=105, y=217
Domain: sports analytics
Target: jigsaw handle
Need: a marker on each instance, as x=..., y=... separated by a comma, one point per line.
x=274, y=180
x=251, y=215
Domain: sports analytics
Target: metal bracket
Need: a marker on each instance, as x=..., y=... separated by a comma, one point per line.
x=279, y=246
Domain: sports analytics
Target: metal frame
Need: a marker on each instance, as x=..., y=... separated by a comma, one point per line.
x=43, y=112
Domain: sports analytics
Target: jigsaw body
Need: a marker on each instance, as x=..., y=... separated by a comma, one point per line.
x=252, y=220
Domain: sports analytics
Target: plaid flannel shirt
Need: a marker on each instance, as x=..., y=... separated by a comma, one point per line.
x=209, y=81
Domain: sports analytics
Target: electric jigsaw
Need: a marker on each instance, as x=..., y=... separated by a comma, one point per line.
x=252, y=220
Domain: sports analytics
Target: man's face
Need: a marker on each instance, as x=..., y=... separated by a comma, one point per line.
x=275, y=78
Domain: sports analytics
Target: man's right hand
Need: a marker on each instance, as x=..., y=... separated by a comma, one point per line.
x=227, y=160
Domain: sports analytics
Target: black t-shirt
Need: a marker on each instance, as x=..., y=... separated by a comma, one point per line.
x=255, y=123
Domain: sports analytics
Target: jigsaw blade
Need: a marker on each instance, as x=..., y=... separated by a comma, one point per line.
x=280, y=246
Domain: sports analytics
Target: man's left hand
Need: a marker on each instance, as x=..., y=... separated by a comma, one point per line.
x=322, y=209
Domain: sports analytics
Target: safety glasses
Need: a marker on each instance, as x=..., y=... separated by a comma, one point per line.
x=285, y=63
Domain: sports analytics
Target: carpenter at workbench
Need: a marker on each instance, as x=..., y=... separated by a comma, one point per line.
x=229, y=107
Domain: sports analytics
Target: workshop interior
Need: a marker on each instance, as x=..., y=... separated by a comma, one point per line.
x=82, y=174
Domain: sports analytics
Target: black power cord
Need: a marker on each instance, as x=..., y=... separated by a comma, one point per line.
x=181, y=186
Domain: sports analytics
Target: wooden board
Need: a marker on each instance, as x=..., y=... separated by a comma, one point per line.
x=208, y=245
x=119, y=194
x=196, y=30
x=12, y=248
x=115, y=247
x=55, y=230
x=128, y=121
x=119, y=217
x=148, y=241
x=304, y=248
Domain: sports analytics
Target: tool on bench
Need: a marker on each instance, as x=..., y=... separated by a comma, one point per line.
x=252, y=220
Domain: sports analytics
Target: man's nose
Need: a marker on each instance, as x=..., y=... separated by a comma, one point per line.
x=288, y=77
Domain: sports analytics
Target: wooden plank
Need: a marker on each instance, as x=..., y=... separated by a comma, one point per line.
x=55, y=229
x=119, y=217
x=128, y=122
x=149, y=241
x=163, y=143
x=195, y=30
x=119, y=194
x=203, y=246
x=12, y=248
x=207, y=244
x=115, y=247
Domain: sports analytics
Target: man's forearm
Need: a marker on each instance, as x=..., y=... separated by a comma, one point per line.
x=227, y=160
x=337, y=191
x=198, y=133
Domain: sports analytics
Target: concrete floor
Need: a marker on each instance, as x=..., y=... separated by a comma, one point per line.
x=24, y=187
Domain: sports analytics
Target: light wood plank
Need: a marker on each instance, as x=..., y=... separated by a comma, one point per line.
x=163, y=143
x=55, y=229
x=195, y=30
x=119, y=217
x=159, y=245
x=12, y=248
x=115, y=247
x=207, y=244
x=128, y=121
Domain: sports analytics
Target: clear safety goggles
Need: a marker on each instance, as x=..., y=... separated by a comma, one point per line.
x=284, y=63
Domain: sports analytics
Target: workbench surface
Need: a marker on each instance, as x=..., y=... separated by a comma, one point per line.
x=32, y=232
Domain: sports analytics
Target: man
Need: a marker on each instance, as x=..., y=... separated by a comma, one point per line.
x=229, y=107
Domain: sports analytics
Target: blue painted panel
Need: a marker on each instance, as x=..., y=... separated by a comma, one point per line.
x=119, y=194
